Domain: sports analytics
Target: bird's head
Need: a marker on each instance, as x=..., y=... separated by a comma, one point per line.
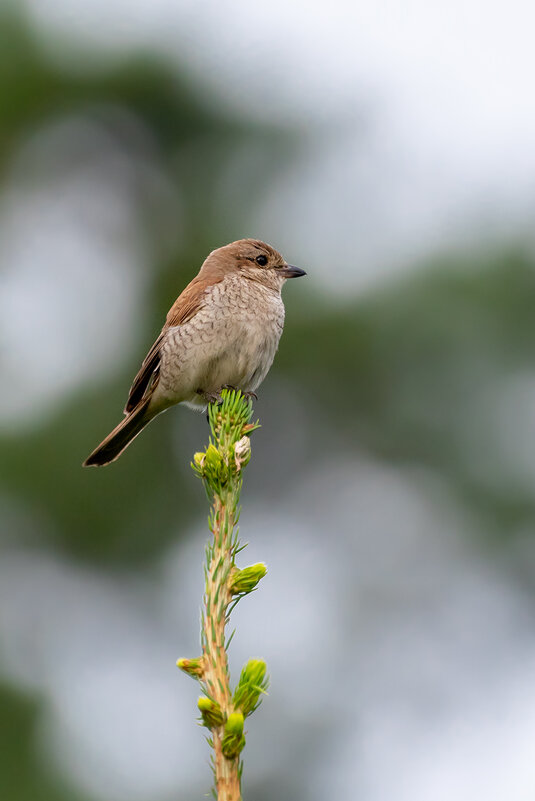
x=253, y=259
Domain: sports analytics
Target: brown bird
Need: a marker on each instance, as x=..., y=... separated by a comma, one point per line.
x=222, y=331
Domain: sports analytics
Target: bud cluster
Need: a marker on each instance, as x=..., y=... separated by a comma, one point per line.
x=212, y=468
x=233, y=738
x=211, y=713
x=253, y=683
x=193, y=667
x=246, y=580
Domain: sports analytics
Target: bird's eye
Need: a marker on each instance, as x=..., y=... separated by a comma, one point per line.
x=261, y=260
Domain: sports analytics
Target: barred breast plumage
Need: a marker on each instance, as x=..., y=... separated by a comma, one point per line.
x=231, y=341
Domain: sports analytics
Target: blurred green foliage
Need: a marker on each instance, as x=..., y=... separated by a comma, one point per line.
x=21, y=775
x=410, y=366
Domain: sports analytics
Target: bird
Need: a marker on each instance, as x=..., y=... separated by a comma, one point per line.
x=222, y=332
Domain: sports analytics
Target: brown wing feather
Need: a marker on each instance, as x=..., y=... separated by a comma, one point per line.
x=183, y=309
x=147, y=377
x=189, y=301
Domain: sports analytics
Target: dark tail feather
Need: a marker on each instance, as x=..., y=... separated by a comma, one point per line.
x=121, y=436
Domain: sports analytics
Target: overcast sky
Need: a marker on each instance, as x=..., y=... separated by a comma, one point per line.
x=445, y=90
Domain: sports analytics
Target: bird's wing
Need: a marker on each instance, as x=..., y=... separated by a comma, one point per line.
x=147, y=377
x=183, y=309
x=190, y=300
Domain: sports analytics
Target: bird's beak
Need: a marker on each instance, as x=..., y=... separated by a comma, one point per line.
x=289, y=271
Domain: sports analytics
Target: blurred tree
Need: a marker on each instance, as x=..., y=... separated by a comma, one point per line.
x=21, y=775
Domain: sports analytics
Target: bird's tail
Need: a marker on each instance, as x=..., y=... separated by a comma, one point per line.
x=121, y=436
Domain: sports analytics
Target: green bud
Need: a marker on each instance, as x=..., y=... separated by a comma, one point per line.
x=193, y=667
x=198, y=459
x=212, y=456
x=243, y=581
x=211, y=713
x=253, y=683
x=214, y=470
x=198, y=464
x=233, y=739
x=211, y=467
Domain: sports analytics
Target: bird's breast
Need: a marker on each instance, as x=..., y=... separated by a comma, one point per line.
x=257, y=319
x=231, y=340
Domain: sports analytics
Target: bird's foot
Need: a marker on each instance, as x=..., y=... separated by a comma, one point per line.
x=215, y=397
x=210, y=397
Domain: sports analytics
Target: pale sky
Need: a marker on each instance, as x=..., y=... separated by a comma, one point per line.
x=445, y=90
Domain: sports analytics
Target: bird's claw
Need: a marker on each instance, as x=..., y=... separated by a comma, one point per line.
x=210, y=397
x=215, y=397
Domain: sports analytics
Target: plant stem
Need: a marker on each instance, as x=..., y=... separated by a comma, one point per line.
x=216, y=675
x=222, y=711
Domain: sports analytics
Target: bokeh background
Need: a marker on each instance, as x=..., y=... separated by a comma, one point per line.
x=387, y=148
